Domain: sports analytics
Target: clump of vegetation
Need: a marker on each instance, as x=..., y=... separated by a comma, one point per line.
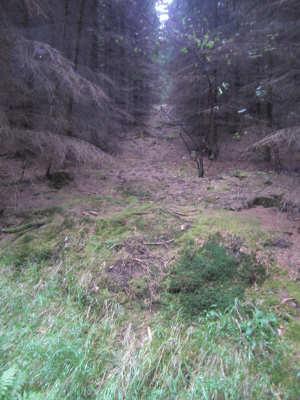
x=267, y=202
x=36, y=241
x=59, y=179
x=28, y=249
x=110, y=232
x=211, y=277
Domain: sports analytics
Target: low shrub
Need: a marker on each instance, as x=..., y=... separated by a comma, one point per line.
x=211, y=277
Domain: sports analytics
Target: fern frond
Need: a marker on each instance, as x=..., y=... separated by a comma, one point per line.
x=8, y=380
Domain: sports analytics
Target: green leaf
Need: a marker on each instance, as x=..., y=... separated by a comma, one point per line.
x=184, y=50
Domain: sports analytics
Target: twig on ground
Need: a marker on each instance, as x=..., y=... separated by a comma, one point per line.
x=287, y=300
x=88, y=213
x=159, y=243
x=23, y=228
x=176, y=214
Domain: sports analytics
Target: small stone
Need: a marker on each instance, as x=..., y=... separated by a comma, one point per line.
x=184, y=227
x=281, y=330
x=245, y=250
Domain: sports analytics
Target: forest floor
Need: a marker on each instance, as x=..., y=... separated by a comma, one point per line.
x=154, y=166
x=101, y=293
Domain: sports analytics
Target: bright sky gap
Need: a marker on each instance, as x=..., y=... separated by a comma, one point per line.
x=162, y=10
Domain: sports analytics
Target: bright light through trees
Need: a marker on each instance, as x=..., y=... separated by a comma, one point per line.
x=162, y=10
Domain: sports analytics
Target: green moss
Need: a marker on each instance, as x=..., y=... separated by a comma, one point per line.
x=293, y=289
x=110, y=233
x=136, y=191
x=282, y=283
x=210, y=277
x=293, y=331
x=27, y=249
x=140, y=287
x=111, y=228
x=213, y=222
x=36, y=245
x=49, y=212
x=42, y=212
x=285, y=374
x=22, y=228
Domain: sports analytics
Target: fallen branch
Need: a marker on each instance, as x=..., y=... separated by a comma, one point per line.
x=23, y=228
x=159, y=243
x=284, y=137
x=90, y=213
x=286, y=301
x=289, y=299
x=176, y=214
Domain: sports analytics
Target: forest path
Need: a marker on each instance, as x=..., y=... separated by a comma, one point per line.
x=158, y=162
x=155, y=168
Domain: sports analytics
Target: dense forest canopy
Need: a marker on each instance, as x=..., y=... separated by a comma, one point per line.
x=77, y=75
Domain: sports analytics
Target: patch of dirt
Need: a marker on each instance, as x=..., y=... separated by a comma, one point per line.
x=135, y=260
x=285, y=231
x=139, y=270
x=124, y=270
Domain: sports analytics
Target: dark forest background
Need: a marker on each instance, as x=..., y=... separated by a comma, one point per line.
x=77, y=75
x=236, y=68
x=74, y=73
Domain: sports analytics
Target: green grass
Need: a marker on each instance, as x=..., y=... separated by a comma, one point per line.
x=59, y=339
x=62, y=350
x=50, y=340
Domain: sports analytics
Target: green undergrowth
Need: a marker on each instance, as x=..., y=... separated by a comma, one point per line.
x=35, y=242
x=65, y=335
x=211, y=278
x=274, y=292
